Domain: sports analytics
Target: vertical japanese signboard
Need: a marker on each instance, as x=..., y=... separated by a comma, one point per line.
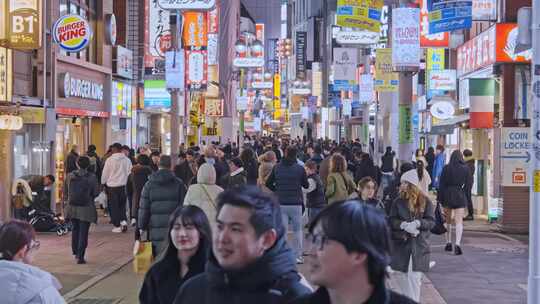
x=22, y=24
x=196, y=69
x=345, y=61
x=385, y=79
x=363, y=14
x=405, y=124
x=195, y=31
x=406, y=37
x=435, y=59
x=300, y=51
x=6, y=75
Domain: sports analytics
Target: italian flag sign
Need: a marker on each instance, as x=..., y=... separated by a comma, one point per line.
x=482, y=98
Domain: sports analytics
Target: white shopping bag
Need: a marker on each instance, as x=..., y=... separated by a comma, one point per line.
x=101, y=199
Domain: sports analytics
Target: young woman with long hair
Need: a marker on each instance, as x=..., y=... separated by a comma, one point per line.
x=411, y=219
x=188, y=245
x=339, y=183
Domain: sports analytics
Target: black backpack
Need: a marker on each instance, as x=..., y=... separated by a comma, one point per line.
x=79, y=191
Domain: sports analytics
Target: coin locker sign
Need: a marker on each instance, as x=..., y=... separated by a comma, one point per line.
x=515, y=144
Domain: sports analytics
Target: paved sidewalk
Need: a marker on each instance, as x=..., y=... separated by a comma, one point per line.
x=106, y=253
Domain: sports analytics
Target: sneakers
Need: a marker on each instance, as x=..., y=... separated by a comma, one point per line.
x=448, y=247
x=124, y=226
x=133, y=222
x=457, y=250
x=117, y=230
x=300, y=260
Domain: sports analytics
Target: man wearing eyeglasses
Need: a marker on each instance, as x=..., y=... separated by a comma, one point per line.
x=348, y=255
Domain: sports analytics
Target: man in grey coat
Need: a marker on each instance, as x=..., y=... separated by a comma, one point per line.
x=161, y=195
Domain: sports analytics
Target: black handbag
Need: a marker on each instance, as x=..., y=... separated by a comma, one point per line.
x=439, y=221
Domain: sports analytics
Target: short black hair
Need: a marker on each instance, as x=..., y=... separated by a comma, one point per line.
x=155, y=153
x=165, y=162
x=291, y=153
x=264, y=207
x=51, y=178
x=116, y=146
x=237, y=162
x=143, y=160
x=467, y=153
x=359, y=228
x=83, y=162
x=126, y=147
x=91, y=148
x=190, y=152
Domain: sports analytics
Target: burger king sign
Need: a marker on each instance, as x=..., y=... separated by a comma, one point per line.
x=72, y=33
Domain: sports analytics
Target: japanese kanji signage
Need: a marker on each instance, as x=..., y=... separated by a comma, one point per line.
x=195, y=29
x=6, y=75
x=159, y=30
x=196, y=69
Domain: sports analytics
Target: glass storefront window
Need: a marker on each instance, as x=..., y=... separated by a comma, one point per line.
x=31, y=152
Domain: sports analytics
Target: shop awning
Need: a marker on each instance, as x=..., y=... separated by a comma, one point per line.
x=448, y=126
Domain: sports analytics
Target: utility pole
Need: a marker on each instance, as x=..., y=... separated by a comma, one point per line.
x=175, y=21
x=534, y=201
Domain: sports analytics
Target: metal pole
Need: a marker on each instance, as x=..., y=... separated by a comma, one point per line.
x=176, y=29
x=241, y=113
x=534, y=201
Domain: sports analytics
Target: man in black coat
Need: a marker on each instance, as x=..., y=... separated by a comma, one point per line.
x=349, y=255
x=71, y=159
x=251, y=262
x=287, y=180
x=469, y=161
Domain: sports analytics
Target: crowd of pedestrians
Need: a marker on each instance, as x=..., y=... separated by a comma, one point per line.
x=225, y=223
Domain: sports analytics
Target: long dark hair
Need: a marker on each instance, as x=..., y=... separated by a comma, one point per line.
x=420, y=168
x=190, y=215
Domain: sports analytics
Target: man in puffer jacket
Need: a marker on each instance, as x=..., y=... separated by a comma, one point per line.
x=161, y=195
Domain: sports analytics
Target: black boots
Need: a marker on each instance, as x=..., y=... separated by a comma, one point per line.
x=448, y=247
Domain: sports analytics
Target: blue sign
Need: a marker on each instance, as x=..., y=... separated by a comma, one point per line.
x=356, y=104
x=338, y=87
x=449, y=15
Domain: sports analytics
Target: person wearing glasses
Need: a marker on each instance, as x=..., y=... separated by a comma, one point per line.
x=348, y=256
x=21, y=282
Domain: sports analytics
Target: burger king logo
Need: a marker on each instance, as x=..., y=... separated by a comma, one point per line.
x=72, y=33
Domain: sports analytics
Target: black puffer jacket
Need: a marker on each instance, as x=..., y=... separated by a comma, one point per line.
x=271, y=279
x=454, y=177
x=286, y=180
x=381, y=295
x=161, y=195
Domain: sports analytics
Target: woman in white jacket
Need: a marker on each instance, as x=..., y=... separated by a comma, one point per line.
x=21, y=282
x=204, y=193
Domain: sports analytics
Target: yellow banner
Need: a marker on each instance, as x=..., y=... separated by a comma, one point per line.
x=277, y=86
x=435, y=59
x=359, y=22
x=369, y=3
x=385, y=79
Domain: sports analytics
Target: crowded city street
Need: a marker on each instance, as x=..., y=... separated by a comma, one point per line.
x=270, y=151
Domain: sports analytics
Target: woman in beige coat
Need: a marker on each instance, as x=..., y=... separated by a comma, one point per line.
x=204, y=193
x=266, y=164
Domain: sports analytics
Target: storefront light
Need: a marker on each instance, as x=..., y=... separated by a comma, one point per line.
x=11, y=122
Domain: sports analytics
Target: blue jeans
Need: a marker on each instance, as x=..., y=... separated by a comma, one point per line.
x=313, y=212
x=386, y=180
x=293, y=214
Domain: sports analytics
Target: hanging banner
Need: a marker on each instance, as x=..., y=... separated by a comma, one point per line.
x=277, y=91
x=195, y=5
x=426, y=39
x=213, y=49
x=196, y=69
x=405, y=124
x=365, y=88
x=174, y=69
x=156, y=95
x=345, y=62
x=195, y=32
x=482, y=97
x=213, y=21
x=357, y=37
x=385, y=79
x=406, y=37
x=159, y=34
x=21, y=26
x=449, y=15
x=300, y=52
x=435, y=59
x=123, y=62
x=6, y=75
x=363, y=14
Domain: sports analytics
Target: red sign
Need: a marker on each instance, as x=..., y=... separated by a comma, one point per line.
x=496, y=44
x=213, y=20
x=477, y=52
x=196, y=69
x=506, y=40
x=427, y=40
